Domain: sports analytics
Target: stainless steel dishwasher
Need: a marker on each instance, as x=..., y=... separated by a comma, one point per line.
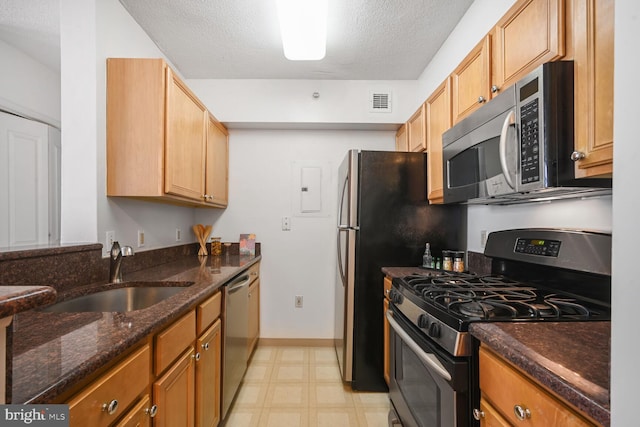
x=236, y=335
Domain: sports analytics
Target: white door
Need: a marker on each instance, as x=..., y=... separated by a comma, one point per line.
x=24, y=182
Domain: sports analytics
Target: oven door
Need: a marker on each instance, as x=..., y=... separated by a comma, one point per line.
x=428, y=387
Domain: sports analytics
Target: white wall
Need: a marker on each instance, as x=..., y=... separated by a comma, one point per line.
x=27, y=87
x=625, y=376
x=300, y=261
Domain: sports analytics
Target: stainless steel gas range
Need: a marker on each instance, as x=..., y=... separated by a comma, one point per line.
x=537, y=275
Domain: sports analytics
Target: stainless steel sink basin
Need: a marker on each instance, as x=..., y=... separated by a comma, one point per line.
x=134, y=296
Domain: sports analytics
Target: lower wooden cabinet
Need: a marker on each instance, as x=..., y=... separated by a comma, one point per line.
x=386, y=326
x=254, y=308
x=508, y=397
x=140, y=415
x=174, y=393
x=108, y=397
x=208, y=374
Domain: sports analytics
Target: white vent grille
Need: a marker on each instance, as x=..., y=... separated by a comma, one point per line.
x=380, y=102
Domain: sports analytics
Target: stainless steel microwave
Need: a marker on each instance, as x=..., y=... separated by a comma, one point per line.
x=518, y=146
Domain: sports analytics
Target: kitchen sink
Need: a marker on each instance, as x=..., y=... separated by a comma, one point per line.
x=133, y=296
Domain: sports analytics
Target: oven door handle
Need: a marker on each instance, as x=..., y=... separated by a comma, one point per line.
x=428, y=358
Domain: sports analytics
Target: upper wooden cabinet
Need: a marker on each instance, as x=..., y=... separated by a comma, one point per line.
x=531, y=33
x=438, y=113
x=402, y=142
x=470, y=81
x=217, y=165
x=593, y=29
x=157, y=132
x=416, y=130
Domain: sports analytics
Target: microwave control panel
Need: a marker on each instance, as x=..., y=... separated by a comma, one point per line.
x=529, y=142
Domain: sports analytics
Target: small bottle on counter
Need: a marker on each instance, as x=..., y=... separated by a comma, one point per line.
x=458, y=261
x=438, y=265
x=447, y=261
x=427, y=259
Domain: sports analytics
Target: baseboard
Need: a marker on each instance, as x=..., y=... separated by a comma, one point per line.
x=296, y=342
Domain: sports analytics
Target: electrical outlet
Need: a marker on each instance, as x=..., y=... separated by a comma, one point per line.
x=108, y=241
x=140, y=238
x=483, y=238
x=178, y=234
x=298, y=301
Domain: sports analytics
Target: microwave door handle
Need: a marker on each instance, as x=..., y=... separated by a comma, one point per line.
x=510, y=120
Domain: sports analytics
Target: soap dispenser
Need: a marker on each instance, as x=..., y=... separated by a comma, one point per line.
x=427, y=259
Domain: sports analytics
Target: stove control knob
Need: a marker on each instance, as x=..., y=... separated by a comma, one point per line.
x=434, y=330
x=396, y=297
x=423, y=321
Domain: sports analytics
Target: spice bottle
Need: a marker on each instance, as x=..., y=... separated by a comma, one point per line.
x=458, y=261
x=447, y=261
x=427, y=259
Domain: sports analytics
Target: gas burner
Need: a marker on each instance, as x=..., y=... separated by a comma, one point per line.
x=475, y=309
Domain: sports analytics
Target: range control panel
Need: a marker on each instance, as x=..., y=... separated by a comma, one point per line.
x=541, y=247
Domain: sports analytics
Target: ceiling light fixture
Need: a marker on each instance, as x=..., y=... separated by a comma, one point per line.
x=303, y=26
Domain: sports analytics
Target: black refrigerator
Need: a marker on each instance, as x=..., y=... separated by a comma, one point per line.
x=384, y=219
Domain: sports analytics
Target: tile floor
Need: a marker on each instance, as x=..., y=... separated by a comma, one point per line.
x=301, y=387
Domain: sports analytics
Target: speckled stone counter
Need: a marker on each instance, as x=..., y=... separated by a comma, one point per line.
x=402, y=271
x=52, y=352
x=15, y=299
x=569, y=358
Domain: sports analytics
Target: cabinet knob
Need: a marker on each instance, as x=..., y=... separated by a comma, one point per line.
x=205, y=346
x=111, y=407
x=481, y=99
x=151, y=411
x=196, y=357
x=521, y=412
x=494, y=89
x=577, y=155
x=478, y=414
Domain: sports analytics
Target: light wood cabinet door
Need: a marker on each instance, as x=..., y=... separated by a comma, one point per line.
x=184, y=141
x=489, y=417
x=254, y=315
x=593, y=49
x=174, y=394
x=208, y=375
x=438, y=121
x=104, y=400
x=386, y=370
x=531, y=33
x=217, y=169
x=416, y=131
x=470, y=81
x=139, y=416
x=402, y=142
x=509, y=391
x=171, y=342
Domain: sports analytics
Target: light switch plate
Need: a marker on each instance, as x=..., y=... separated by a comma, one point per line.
x=286, y=223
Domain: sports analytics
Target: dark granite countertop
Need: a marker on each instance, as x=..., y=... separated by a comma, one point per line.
x=394, y=272
x=572, y=359
x=15, y=299
x=52, y=352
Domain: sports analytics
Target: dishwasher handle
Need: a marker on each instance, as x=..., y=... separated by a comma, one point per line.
x=237, y=284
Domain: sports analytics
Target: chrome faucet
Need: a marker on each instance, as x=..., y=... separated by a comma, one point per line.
x=115, y=270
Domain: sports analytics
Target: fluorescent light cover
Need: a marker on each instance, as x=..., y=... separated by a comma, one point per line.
x=303, y=26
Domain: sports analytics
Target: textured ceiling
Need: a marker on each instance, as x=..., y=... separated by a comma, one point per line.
x=367, y=39
x=235, y=39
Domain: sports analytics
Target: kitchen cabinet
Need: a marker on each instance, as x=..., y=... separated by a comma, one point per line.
x=139, y=415
x=386, y=329
x=107, y=398
x=402, y=142
x=531, y=33
x=254, y=308
x=438, y=113
x=217, y=164
x=593, y=46
x=470, y=81
x=509, y=397
x=416, y=131
x=208, y=374
x=158, y=137
x=174, y=393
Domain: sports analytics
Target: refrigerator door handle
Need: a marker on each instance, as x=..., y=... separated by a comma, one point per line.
x=341, y=205
x=342, y=278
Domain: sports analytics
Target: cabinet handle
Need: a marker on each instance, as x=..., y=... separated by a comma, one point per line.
x=205, y=346
x=196, y=356
x=151, y=411
x=494, y=89
x=521, y=412
x=481, y=99
x=577, y=155
x=478, y=414
x=110, y=407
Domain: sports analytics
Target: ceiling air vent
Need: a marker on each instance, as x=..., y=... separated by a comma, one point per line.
x=380, y=102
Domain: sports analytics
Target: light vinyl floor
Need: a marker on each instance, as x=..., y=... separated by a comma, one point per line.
x=301, y=387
